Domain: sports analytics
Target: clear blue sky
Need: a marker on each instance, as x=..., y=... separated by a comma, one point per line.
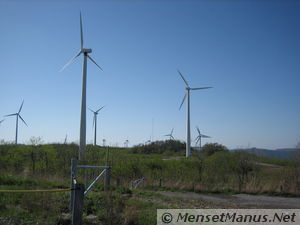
x=248, y=51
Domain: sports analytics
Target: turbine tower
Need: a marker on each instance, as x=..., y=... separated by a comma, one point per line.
x=95, y=124
x=17, y=121
x=126, y=143
x=170, y=135
x=188, y=128
x=198, y=139
x=85, y=52
x=66, y=138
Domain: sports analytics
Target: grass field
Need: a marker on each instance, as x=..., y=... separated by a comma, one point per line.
x=48, y=167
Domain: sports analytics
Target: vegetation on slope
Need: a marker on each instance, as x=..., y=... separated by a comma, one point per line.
x=214, y=169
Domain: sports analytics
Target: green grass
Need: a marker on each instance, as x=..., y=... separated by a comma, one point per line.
x=48, y=166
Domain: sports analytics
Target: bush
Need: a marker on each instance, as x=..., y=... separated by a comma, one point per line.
x=212, y=148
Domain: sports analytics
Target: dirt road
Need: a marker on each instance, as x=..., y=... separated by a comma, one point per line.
x=241, y=200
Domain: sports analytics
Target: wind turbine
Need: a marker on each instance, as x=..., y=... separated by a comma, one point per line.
x=170, y=135
x=126, y=143
x=198, y=139
x=85, y=52
x=17, y=121
x=66, y=138
x=188, y=128
x=95, y=124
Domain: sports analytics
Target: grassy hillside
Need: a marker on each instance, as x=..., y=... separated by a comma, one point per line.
x=48, y=166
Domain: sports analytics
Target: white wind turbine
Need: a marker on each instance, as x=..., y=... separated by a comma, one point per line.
x=188, y=128
x=170, y=135
x=85, y=52
x=198, y=139
x=126, y=143
x=17, y=121
x=95, y=123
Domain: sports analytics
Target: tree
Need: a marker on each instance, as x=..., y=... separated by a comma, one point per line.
x=212, y=148
x=242, y=164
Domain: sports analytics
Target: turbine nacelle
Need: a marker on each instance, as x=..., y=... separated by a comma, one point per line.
x=86, y=50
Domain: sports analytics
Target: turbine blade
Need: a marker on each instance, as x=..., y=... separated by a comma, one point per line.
x=23, y=120
x=14, y=114
x=70, y=61
x=172, y=137
x=93, y=120
x=183, y=79
x=198, y=130
x=172, y=131
x=92, y=110
x=94, y=62
x=21, y=107
x=205, y=136
x=182, y=101
x=1, y=121
x=81, y=33
x=200, y=88
x=197, y=139
x=100, y=109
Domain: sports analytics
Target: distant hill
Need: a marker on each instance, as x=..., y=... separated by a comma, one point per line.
x=284, y=153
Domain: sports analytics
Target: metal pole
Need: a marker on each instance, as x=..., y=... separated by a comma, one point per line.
x=73, y=177
x=92, y=184
x=78, y=204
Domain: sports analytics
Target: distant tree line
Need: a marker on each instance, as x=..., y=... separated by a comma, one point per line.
x=160, y=147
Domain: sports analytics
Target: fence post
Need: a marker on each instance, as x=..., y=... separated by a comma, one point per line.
x=107, y=179
x=77, y=204
x=72, y=183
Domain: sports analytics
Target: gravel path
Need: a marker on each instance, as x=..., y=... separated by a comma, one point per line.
x=243, y=200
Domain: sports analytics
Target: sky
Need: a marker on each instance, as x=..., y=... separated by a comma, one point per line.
x=248, y=51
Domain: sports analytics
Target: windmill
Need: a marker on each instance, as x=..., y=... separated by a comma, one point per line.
x=126, y=143
x=85, y=52
x=198, y=139
x=188, y=128
x=17, y=121
x=66, y=138
x=170, y=135
x=95, y=123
